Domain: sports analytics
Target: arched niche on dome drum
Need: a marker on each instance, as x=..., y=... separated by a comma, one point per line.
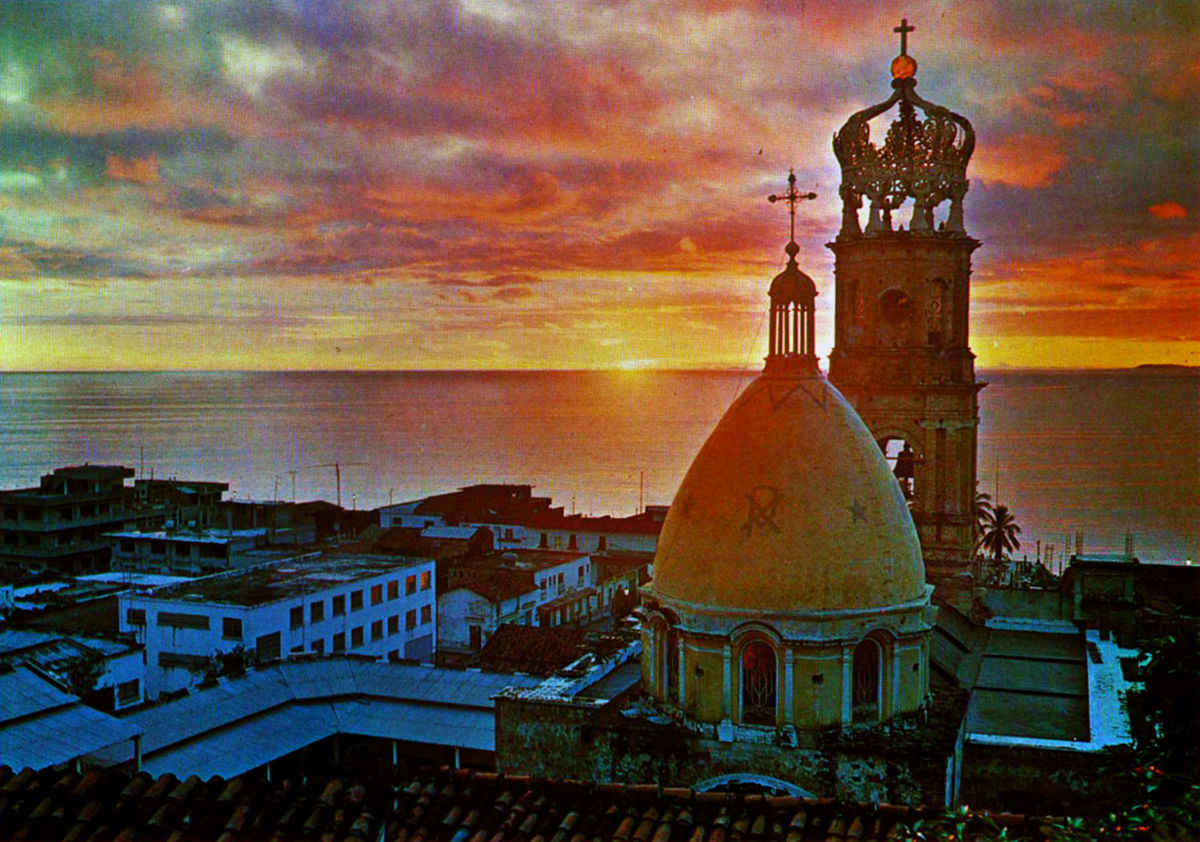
x=866, y=699
x=671, y=661
x=759, y=684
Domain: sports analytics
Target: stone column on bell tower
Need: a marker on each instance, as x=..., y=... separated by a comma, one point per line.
x=901, y=352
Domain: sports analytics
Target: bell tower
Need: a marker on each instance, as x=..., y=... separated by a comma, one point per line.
x=901, y=354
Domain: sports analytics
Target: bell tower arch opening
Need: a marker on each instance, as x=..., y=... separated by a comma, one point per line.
x=902, y=458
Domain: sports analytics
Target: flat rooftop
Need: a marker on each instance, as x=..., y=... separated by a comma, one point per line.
x=193, y=536
x=523, y=559
x=285, y=579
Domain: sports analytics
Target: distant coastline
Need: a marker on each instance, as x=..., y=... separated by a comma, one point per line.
x=1176, y=368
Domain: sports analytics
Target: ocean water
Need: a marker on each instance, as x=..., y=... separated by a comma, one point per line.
x=1098, y=452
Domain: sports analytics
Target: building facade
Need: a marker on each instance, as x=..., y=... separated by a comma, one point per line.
x=60, y=525
x=521, y=587
x=380, y=606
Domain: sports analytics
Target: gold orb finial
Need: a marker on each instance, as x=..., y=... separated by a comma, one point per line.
x=904, y=67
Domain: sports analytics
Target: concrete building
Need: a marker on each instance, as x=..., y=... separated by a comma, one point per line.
x=116, y=673
x=515, y=586
x=381, y=606
x=181, y=502
x=60, y=525
x=519, y=520
x=186, y=552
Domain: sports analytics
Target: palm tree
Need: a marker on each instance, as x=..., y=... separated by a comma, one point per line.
x=1000, y=536
x=983, y=515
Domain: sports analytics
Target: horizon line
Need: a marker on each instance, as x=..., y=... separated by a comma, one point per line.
x=548, y=370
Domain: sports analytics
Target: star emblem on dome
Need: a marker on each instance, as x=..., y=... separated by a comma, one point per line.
x=858, y=512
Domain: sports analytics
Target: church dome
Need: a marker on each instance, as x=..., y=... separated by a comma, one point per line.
x=789, y=508
x=792, y=284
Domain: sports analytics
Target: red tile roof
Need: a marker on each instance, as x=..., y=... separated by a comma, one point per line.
x=460, y=806
x=543, y=650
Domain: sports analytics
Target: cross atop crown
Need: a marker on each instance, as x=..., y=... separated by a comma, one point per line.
x=903, y=29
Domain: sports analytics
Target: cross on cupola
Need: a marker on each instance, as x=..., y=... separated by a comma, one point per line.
x=792, y=197
x=903, y=29
x=791, y=346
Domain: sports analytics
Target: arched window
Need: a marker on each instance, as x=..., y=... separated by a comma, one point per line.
x=867, y=656
x=758, y=684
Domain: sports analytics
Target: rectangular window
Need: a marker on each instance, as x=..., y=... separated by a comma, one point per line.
x=316, y=611
x=177, y=659
x=356, y=637
x=376, y=594
x=135, y=616
x=127, y=546
x=356, y=600
x=339, y=605
x=182, y=621
x=129, y=692
x=231, y=628
x=581, y=574
x=377, y=630
x=268, y=647
x=410, y=619
x=318, y=646
x=394, y=624
x=158, y=548
x=297, y=616
x=426, y=614
x=339, y=642
x=426, y=580
x=182, y=550
x=393, y=589
x=410, y=585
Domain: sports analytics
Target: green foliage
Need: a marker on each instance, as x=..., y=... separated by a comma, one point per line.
x=82, y=673
x=232, y=663
x=1150, y=818
x=1166, y=731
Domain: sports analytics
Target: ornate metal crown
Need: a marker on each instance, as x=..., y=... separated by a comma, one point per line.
x=922, y=159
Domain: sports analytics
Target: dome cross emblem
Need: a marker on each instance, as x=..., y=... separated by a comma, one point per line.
x=858, y=512
x=764, y=502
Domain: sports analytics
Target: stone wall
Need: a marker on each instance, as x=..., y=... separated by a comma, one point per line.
x=565, y=739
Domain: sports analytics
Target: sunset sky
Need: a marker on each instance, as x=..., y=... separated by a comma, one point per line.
x=578, y=184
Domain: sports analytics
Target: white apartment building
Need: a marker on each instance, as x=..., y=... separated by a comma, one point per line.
x=382, y=606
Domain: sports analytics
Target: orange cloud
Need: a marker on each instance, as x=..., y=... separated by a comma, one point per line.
x=136, y=170
x=1022, y=161
x=1168, y=210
